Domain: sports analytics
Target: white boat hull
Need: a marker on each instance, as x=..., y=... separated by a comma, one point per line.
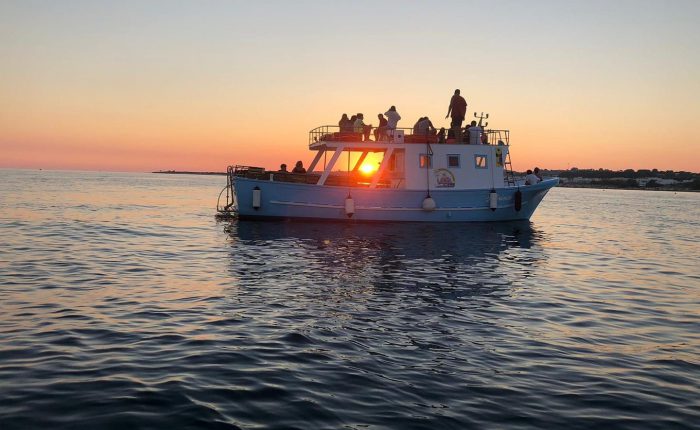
x=259, y=199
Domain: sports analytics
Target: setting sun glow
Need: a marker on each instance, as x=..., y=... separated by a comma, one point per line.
x=368, y=169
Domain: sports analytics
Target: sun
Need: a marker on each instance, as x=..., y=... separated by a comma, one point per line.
x=368, y=168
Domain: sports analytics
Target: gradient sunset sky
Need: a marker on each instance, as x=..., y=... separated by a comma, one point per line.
x=150, y=85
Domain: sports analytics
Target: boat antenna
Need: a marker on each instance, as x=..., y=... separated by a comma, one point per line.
x=482, y=117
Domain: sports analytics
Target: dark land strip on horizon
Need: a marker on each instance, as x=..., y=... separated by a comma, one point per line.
x=184, y=172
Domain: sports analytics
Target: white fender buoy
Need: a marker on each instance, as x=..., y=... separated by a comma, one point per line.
x=493, y=200
x=257, y=197
x=429, y=204
x=349, y=206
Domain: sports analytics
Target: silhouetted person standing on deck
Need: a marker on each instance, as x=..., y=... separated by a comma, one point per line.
x=457, y=109
x=475, y=132
x=392, y=118
x=380, y=131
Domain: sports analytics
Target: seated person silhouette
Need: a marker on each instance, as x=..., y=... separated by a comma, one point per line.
x=299, y=168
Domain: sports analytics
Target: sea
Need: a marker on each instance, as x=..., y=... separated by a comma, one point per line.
x=125, y=303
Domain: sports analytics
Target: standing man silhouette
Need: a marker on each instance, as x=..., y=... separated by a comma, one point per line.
x=458, y=109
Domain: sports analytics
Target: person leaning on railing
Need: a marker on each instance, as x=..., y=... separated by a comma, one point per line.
x=380, y=131
x=424, y=127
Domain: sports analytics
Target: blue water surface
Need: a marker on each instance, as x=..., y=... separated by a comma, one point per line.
x=126, y=304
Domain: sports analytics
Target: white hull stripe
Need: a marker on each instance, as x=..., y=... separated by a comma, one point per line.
x=370, y=208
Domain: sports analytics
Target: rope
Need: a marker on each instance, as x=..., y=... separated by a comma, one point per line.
x=428, y=165
x=348, y=172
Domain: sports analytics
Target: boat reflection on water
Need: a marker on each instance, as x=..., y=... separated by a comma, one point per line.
x=469, y=256
x=417, y=239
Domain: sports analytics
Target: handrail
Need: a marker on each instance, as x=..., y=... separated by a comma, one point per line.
x=332, y=133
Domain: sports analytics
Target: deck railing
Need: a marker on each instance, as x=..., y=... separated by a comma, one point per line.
x=332, y=133
x=354, y=179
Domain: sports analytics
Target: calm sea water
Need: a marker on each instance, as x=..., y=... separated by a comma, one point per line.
x=125, y=304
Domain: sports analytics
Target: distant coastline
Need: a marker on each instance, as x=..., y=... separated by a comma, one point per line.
x=178, y=172
x=608, y=187
x=629, y=179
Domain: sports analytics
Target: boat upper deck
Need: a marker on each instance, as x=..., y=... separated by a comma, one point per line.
x=330, y=135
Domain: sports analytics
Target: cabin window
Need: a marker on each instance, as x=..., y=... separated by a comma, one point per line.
x=425, y=161
x=453, y=160
x=480, y=161
x=392, y=163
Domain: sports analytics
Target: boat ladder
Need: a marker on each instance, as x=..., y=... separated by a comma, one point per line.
x=229, y=208
x=510, y=176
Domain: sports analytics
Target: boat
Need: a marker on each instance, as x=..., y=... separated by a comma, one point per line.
x=418, y=179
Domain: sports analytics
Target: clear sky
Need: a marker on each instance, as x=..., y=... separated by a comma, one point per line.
x=198, y=85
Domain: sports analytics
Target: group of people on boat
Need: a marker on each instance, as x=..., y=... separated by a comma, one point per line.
x=533, y=177
x=472, y=134
x=356, y=124
x=298, y=168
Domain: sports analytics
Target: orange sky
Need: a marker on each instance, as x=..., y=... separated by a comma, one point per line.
x=160, y=86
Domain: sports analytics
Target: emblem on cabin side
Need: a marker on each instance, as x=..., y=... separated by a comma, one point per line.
x=444, y=178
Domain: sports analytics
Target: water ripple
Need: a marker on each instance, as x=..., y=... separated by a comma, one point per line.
x=130, y=306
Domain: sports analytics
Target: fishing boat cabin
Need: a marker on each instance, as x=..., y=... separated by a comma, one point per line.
x=399, y=160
